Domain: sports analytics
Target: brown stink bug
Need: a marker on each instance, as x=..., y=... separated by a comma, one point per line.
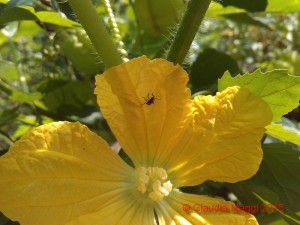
x=149, y=100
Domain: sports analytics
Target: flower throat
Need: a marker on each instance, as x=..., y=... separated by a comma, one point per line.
x=153, y=182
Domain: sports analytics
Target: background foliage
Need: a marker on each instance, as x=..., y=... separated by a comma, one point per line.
x=48, y=64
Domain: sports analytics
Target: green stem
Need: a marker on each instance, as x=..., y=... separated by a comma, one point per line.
x=22, y=78
x=95, y=29
x=187, y=30
x=5, y=88
x=5, y=137
x=139, y=31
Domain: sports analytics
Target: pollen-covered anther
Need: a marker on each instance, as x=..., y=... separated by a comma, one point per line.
x=153, y=181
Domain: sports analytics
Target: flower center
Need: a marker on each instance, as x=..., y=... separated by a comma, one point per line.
x=153, y=181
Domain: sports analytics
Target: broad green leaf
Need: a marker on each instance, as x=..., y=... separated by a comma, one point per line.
x=277, y=181
x=10, y=29
x=279, y=132
x=8, y=116
x=149, y=44
x=216, y=9
x=246, y=191
x=245, y=18
x=66, y=98
x=8, y=70
x=28, y=13
x=262, y=190
x=65, y=8
x=287, y=7
x=279, y=89
x=209, y=66
x=28, y=122
x=3, y=219
x=22, y=97
x=28, y=28
x=278, y=222
x=57, y=19
x=25, y=124
x=280, y=169
x=18, y=13
x=3, y=38
x=14, y=3
x=290, y=217
x=249, y=5
x=269, y=201
x=5, y=88
x=239, y=189
x=73, y=93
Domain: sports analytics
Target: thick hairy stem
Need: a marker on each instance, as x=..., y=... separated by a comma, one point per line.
x=187, y=30
x=95, y=29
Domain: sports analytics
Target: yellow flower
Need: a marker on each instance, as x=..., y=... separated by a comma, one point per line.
x=64, y=174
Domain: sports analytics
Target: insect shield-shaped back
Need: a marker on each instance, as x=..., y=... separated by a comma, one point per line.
x=149, y=100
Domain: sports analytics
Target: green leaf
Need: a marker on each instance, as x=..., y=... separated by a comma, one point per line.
x=57, y=19
x=8, y=116
x=27, y=122
x=8, y=70
x=290, y=217
x=217, y=10
x=277, y=181
x=245, y=18
x=14, y=3
x=3, y=219
x=239, y=189
x=279, y=132
x=280, y=169
x=18, y=13
x=287, y=7
x=149, y=44
x=254, y=192
x=28, y=28
x=28, y=13
x=66, y=97
x=278, y=222
x=65, y=8
x=279, y=89
x=268, y=198
x=209, y=66
x=249, y=5
x=23, y=97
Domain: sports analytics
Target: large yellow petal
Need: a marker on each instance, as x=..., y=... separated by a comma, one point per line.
x=223, y=141
x=58, y=172
x=188, y=209
x=145, y=131
x=124, y=211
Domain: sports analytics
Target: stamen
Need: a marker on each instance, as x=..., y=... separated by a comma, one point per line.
x=152, y=180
